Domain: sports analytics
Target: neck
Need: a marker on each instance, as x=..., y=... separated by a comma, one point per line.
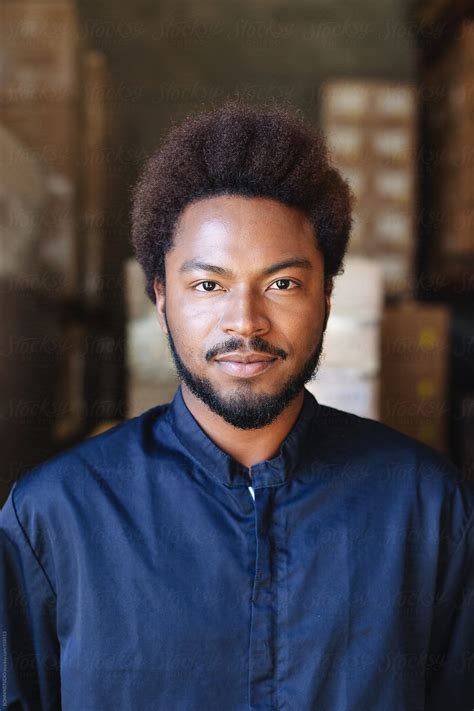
x=248, y=447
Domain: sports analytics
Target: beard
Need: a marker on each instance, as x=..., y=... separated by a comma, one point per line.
x=245, y=409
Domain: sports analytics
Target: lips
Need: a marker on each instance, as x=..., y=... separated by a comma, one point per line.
x=249, y=358
x=245, y=366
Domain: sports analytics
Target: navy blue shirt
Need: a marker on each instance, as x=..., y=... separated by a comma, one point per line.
x=139, y=573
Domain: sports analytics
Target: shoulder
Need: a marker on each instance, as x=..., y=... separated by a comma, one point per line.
x=105, y=459
x=370, y=437
x=385, y=456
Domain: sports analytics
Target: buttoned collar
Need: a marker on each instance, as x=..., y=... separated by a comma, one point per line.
x=222, y=466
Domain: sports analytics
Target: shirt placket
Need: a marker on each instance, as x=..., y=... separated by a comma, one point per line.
x=262, y=651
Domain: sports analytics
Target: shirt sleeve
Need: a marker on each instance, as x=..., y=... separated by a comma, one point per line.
x=30, y=648
x=450, y=664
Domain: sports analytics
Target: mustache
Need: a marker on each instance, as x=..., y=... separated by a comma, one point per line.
x=255, y=344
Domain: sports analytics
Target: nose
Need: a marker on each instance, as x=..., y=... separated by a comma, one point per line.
x=245, y=314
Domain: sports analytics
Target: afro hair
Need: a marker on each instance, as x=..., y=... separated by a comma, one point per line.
x=238, y=149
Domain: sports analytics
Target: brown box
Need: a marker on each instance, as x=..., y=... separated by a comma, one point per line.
x=448, y=94
x=59, y=248
x=144, y=394
x=415, y=340
x=39, y=98
x=22, y=201
x=368, y=101
x=50, y=131
x=137, y=303
x=38, y=51
x=370, y=130
x=93, y=171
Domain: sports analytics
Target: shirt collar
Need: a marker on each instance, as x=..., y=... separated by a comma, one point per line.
x=224, y=467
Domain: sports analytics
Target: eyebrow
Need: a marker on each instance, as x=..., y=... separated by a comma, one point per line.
x=196, y=264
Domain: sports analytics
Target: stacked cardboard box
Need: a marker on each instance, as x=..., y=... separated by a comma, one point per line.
x=151, y=375
x=93, y=173
x=348, y=377
x=449, y=98
x=415, y=342
x=39, y=87
x=52, y=98
x=22, y=201
x=22, y=378
x=370, y=130
x=38, y=62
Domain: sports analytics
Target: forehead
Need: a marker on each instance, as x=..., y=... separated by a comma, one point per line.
x=243, y=227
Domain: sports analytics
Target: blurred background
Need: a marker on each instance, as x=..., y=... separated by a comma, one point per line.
x=87, y=91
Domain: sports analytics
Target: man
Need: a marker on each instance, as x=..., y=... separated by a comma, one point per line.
x=244, y=546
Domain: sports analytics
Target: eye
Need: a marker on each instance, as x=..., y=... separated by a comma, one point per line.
x=283, y=284
x=207, y=286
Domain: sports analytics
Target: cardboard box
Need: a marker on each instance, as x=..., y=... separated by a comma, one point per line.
x=93, y=173
x=346, y=101
x=144, y=394
x=393, y=228
x=50, y=131
x=347, y=144
x=415, y=335
x=364, y=101
x=449, y=111
x=392, y=146
x=358, y=291
x=370, y=127
x=22, y=201
x=398, y=271
x=413, y=378
x=346, y=390
x=351, y=344
x=148, y=355
x=137, y=302
x=59, y=248
x=38, y=51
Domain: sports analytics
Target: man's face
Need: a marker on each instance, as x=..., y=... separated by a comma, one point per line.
x=244, y=279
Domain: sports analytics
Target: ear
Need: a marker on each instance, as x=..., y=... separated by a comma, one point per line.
x=329, y=285
x=159, y=289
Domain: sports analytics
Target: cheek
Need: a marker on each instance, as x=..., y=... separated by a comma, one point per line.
x=187, y=308
x=306, y=321
x=191, y=322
